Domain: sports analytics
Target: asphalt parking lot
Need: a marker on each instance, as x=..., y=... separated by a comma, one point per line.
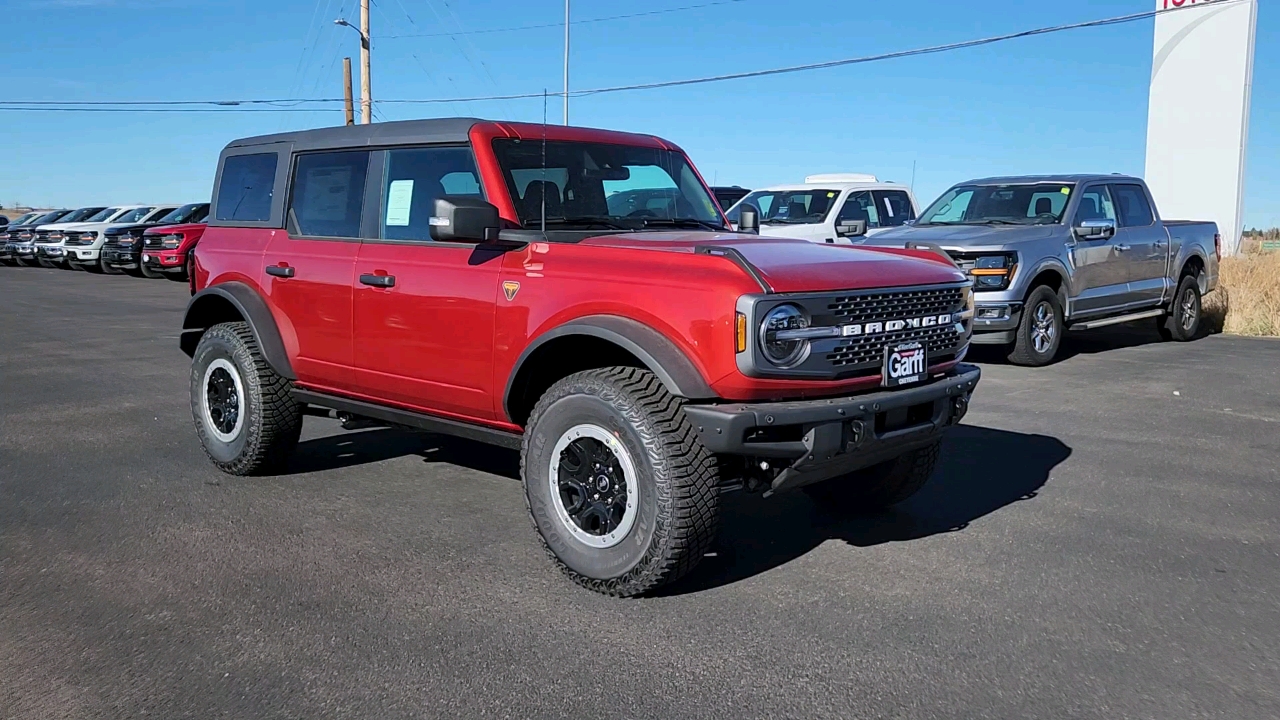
x=1101, y=541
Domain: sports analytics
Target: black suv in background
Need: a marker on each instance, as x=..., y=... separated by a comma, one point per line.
x=122, y=249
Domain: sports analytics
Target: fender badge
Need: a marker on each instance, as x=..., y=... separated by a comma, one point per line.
x=510, y=287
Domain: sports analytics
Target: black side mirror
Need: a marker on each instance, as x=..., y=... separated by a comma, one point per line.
x=851, y=228
x=749, y=220
x=463, y=218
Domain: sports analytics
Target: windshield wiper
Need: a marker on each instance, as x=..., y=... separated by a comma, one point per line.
x=991, y=221
x=684, y=222
x=786, y=221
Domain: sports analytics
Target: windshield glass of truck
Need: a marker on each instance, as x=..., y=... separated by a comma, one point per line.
x=619, y=187
x=788, y=207
x=134, y=215
x=194, y=213
x=1041, y=204
x=102, y=216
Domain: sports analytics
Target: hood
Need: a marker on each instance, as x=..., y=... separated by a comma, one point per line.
x=962, y=236
x=186, y=228
x=791, y=266
x=121, y=229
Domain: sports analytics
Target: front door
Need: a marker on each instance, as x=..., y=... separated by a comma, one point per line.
x=309, y=270
x=1101, y=270
x=424, y=310
x=1148, y=244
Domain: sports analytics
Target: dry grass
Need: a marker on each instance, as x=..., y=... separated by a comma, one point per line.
x=1247, y=301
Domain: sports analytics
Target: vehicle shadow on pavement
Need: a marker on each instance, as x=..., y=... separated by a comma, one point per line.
x=362, y=447
x=981, y=471
x=1085, y=342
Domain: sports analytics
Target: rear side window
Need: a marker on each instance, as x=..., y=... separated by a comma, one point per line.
x=244, y=194
x=328, y=194
x=1135, y=211
x=894, y=207
x=414, y=179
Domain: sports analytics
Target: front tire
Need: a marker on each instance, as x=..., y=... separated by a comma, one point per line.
x=245, y=416
x=147, y=272
x=1183, y=321
x=1040, y=329
x=107, y=269
x=620, y=489
x=878, y=486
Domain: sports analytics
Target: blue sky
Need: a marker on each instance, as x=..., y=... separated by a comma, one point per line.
x=1075, y=101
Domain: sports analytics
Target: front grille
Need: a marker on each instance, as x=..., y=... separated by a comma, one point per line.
x=153, y=241
x=896, y=305
x=860, y=353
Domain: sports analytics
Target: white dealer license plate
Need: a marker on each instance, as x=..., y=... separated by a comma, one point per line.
x=904, y=364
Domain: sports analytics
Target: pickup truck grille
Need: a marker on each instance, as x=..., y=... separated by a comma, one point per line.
x=153, y=241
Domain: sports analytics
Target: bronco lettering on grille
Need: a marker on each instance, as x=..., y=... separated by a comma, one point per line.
x=875, y=328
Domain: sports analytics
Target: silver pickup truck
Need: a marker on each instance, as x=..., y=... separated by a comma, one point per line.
x=1049, y=253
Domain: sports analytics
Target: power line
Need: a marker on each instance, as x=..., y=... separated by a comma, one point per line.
x=229, y=105
x=543, y=26
x=214, y=111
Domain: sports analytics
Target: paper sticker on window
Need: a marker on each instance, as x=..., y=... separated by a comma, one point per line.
x=1065, y=191
x=326, y=194
x=399, y=200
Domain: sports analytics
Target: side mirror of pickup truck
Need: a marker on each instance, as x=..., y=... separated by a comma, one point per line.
x=851, y=228
x=749, y=220
x=463, y=218
x=1096, y=229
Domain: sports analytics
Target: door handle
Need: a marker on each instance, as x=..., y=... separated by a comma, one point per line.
x=1123, y=248
x=384, y=281
x=1161, y=243
x=282, y=271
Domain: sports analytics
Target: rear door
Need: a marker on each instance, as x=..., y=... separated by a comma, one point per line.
x=1146, y=241
x=424, y=310
x=1101, y=269
x=309, y=269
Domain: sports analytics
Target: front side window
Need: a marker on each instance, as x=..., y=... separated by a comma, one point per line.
x=860, y=206
x=789, y=207
x=617, y=187
x=1095, y=204
x=413, y=180
x=1035, y=204
x=1135, y=211
x=246, y=189
x=328, y=194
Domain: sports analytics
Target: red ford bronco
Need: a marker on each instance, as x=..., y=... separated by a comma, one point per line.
x=577, y=295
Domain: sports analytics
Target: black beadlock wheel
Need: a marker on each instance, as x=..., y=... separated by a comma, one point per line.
x=1182, y=323
x=878, y=486
x=245, y=416
x=620, y=489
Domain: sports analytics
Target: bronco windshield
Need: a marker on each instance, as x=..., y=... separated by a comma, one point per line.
x=788, y=207
x=585, y=186
x=1038, y=204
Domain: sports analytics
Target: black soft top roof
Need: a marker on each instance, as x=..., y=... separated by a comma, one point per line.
x=405, y=132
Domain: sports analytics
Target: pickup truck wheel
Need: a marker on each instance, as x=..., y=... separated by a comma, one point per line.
x=1040, y=330
x=620, y=489
x=106, y=268
x=245, y=417
x=147, y=272
x=878, y=486
x=1183, y=321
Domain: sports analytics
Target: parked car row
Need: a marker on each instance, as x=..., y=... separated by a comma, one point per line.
x=146, y=240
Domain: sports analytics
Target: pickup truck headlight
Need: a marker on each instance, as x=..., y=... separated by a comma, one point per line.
x=993, y=272
x=783, y=352
x=171, y=242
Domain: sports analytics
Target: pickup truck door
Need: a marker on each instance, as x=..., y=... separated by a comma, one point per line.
x=424, y=310
x=1147, y=241
x=1100, y=268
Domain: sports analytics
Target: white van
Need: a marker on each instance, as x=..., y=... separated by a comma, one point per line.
x=813, y=210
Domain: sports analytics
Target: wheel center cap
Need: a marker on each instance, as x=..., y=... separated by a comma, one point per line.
x=602, y=483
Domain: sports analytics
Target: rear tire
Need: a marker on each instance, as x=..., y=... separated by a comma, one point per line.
x=1182, y=323
x=620, y=489
x=246, y=418
x=878, y=486
x=1039, y=334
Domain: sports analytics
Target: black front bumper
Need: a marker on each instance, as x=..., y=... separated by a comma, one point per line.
x=121, y=258
x=815, y=440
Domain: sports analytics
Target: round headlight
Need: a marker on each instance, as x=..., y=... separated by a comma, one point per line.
x=781, y=352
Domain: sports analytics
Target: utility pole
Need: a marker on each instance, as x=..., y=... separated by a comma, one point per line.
x=566, y=62
x=346, y=90
x=366, y=94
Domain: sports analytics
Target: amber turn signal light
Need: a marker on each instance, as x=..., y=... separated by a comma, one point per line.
x=741, y=332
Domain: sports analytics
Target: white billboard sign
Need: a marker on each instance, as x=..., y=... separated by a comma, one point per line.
x=1198, y=119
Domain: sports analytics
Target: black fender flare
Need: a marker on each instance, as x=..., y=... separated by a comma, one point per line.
x=249, y=304
x=660, y=355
